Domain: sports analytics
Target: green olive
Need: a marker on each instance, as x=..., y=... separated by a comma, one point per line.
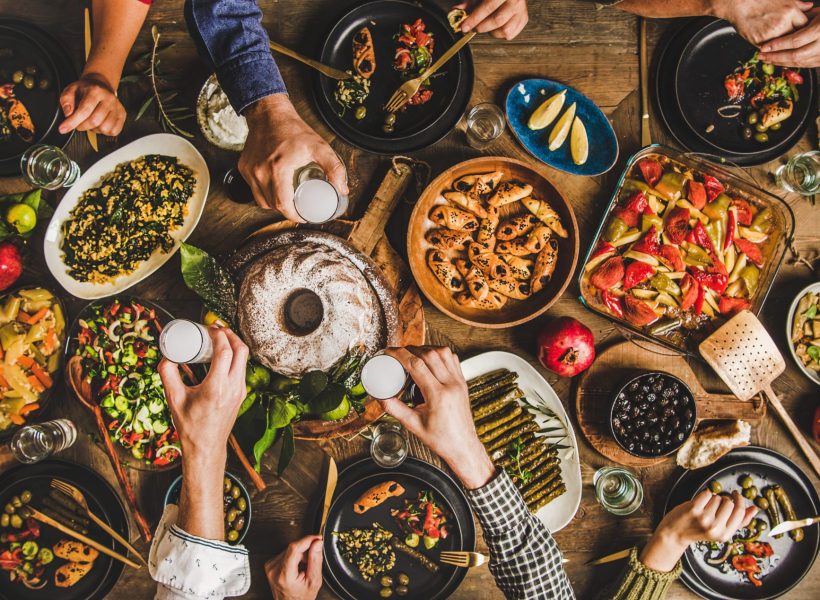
x=750, y=493
x=16, y=521
x=762, y=137
x=715, y=487
x=402, y=590
x=231, y=516
x=241, y=504
x=360, y=113
x=760, y=128
x=386, y=581
x=4, y=520
x=43, y=84
x=403, y=579
x=746, y=481
x=386, y=592
x=762, y=525
x=775, y=126
x=28, y=82
x=227, y=485
x=233, y=535
x=17, y=76
x=16, y=502
x=235, y=492
x=762, y=503
x=9, y=508
x=768, y=68
x=390, y=119
x=387, y=128
x=25, y=496
x=752, y=118
x=239, y=524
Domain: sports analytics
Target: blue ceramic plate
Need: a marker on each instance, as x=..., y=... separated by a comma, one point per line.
x=527, y=95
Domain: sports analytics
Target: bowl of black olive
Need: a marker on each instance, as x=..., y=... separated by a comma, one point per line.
x=235, y=501
x=652, y=415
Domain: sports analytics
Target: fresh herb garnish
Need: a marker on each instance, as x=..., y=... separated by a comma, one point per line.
x=515, y=470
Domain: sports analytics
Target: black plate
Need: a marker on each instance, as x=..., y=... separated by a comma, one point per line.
x=669, y=109
x=418, y=126
x=414, y=475
x=712, y=53
x=33, y=46
x=102, y=500
x=797, y=559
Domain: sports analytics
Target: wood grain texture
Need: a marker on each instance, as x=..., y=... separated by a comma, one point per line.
x=595, y=51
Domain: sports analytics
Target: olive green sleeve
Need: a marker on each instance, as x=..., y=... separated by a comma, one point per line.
x=639, y=582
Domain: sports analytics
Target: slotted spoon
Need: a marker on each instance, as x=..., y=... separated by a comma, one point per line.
x=745, y=356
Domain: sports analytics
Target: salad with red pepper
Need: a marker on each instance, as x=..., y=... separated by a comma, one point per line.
x=119, y=345
x=678, y=252
x=413, y=55
x=423, y=519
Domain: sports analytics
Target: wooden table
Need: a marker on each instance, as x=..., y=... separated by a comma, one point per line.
x=594, y=51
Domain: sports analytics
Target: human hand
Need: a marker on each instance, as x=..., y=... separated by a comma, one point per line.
x=500, y=18
x=798, y=49
x=279, y=144
x=296, y=573
x=204, y=414
x=762, y=20
x=90, y=104
x=707, y=517
x=444, y=422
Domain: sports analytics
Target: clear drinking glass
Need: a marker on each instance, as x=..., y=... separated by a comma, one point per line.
x=389, y=446
x=34, y=443
x=618, y=490
x=48, y=167
x=485, y=123
x=184, y=341
x=315, y=199
x=801, y=174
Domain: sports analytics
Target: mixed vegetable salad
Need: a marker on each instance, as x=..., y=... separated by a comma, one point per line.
x=413, y=55
x=20, y=554
x=118, y=343
x=32, y=327
x=422, y=520
x=678, y=251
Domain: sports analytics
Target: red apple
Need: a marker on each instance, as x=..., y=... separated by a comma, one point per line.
x=11, y=264
x=566, y=346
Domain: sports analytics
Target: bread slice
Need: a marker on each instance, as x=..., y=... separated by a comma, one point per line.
x=711, y=442
x=70, y=573
x=75, y=551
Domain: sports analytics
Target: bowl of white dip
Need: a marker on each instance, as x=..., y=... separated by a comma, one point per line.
x=218, y=121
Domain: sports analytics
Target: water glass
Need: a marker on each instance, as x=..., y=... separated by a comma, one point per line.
x=485, y=123
x=183, y=341
x=389, y=446
x=618, y=490
x=315, y=199
x=801, y=174
x=34, y=443
x=48, y=167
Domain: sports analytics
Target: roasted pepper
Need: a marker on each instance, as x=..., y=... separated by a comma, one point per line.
x=662, y=283
x=699, y=300
x=631, y=186
x=615, y=230
x=713, y=187
x=638, y=203
x=637, y=272
x=750, y=275
x=718, y=208
x=714, y=281
x=746, y=563
x=715, y=232
x=697, y=256
x=671, y=185
x=762, y=221
x=650, y=242
x=602, y=248
x=648, y=221
x=613, y=303
x=700, y=237
x=731, y=228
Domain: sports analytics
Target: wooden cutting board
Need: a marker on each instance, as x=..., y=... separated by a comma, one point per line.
x=618, y=363
x=367, y=236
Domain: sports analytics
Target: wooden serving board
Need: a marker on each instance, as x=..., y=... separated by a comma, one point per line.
x=367, y=236
x=618, y=363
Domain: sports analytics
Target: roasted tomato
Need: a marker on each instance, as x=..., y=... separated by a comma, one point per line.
x=649, y=243
x=608, y=274
x=638, y=312
x=735, y=88
x=744, y=211
x=730, y=306
x=637, y=272
x=714, y=188
x=638, y=203
x=689, y=291
x=630, y=217
x=670, y=257
x=793, y=77
x=677, y=224
x=758, y=549
x=696, y=194
x=751, y=250
x=651, y=170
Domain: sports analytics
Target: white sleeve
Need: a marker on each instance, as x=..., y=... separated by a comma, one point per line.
x=187, y=567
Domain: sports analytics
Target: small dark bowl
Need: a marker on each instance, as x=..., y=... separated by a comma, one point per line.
x=686, y=425
x=174, y=490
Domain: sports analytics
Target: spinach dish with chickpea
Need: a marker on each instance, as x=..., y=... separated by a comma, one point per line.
x=119, y=347
x=128, y=216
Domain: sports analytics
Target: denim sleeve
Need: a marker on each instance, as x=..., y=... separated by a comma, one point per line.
x=230, y=36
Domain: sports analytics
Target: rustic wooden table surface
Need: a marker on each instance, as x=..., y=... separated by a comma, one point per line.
x=594, y=51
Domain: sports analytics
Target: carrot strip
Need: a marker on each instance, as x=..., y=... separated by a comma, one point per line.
x=36, y=385
x=17, y=419
x=42, y=375
x=23, y=316
x=25, y=361
x=4, y=384
x=29, y=408
x=38, y=316
x=50, y=341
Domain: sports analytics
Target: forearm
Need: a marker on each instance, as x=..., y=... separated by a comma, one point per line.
x=657, y=9
x=116, y=25
x=200, y=501
x=662, y=552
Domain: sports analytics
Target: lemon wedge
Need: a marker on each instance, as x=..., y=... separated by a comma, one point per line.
x=578, y=142
x=561, y=130
x=546, y=113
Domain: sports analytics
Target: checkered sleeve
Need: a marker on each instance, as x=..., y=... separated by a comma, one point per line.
x=524, y=558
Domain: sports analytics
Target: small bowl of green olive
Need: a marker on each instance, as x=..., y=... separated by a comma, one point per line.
x=235, y=501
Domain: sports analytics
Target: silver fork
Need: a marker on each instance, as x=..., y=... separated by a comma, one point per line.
x=409, y=88
x=468, y=560
x=77, y=496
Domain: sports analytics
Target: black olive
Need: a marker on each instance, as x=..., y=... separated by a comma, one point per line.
x=645, y=389
x=633, y=387
x=687, y=414
x=747, y=133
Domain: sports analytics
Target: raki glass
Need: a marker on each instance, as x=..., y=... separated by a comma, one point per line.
x=801, y=174
x=315, y=199
x=48, y=167
x=184, y=341
x=618, y=490
x=34, y=443
x=389, y=446
x=485, y=123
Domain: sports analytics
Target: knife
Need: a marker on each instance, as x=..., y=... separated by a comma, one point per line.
x=330, y=487
x=92, y=137
x=790, y=525
x=610, y=557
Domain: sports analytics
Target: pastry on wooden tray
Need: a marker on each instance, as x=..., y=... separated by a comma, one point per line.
x=511, y=288
x=476, y=282
x=468, y=201
x=509, y=191
x=364, y=54
x=447, y=239
x=453, y=218
x=445, y=271
x=544, y=266
x=493, y=301
x=515, y=227
x=542, y=210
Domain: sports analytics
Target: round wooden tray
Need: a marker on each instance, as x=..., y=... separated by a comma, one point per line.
x=514, y=312
x=617, y=363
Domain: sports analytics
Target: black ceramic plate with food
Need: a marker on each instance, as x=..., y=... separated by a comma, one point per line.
x=713, y=52
x=665, y=72
x=416, y=127
x=29, y=50
x=414, y=476
x=796, y=559
x=102, y=500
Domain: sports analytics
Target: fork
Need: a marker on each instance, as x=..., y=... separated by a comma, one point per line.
x=467, y=560
x=409, y=88
x=77, y=496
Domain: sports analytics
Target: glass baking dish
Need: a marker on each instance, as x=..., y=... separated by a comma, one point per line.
x=680, y=339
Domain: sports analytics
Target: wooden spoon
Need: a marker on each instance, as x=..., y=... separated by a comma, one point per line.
x=82, y=391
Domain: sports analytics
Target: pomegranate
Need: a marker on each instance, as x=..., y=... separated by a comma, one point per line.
x=566, y=346
x=11, y=264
